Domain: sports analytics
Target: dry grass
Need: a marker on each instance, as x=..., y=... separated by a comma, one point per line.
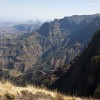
x=12, y=92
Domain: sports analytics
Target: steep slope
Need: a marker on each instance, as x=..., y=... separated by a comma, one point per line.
x=81, y=39
x=88, y=31
x=19, y=54
x=52, y=34
x=78, y=36
x=83, y=77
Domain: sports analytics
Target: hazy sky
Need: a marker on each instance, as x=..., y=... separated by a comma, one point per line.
x=47, y=9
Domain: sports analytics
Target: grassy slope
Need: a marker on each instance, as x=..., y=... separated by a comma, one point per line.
x=11, y=92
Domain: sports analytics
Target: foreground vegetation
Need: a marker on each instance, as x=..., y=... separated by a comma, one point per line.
x=11, y=92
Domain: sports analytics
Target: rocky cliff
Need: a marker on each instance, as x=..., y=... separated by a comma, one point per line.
x=66, y=39
x=83, y=77
x=19, y=54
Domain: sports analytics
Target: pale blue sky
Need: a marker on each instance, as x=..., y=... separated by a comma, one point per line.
x=47, y=9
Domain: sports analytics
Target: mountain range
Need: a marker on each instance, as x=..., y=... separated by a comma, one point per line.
x=56, y=54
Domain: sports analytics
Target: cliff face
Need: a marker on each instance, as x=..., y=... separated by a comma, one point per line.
x=83, y=77
x=52, y=34
x=61, y=48
x=19, y=54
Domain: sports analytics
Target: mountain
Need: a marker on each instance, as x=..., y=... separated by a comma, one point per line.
x=83, y=76
x=18, y=53
x=14, y=29
x=40, y=54
x=73, y=38
x=87, y=35
x=45, y=48
x=50, y=55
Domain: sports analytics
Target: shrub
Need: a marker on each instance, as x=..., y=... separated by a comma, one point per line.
x=10, y=96
x=59, y=97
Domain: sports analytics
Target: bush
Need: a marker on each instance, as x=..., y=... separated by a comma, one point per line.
x=10, y=96
x=59, y=97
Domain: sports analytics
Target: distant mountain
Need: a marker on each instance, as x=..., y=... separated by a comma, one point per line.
x=14, y=29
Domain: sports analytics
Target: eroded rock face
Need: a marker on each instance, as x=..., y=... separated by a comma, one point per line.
x=65, y=39
x=54, y=44
x=19, y=54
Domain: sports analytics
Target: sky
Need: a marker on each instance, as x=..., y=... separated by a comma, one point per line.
x=46, y=9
